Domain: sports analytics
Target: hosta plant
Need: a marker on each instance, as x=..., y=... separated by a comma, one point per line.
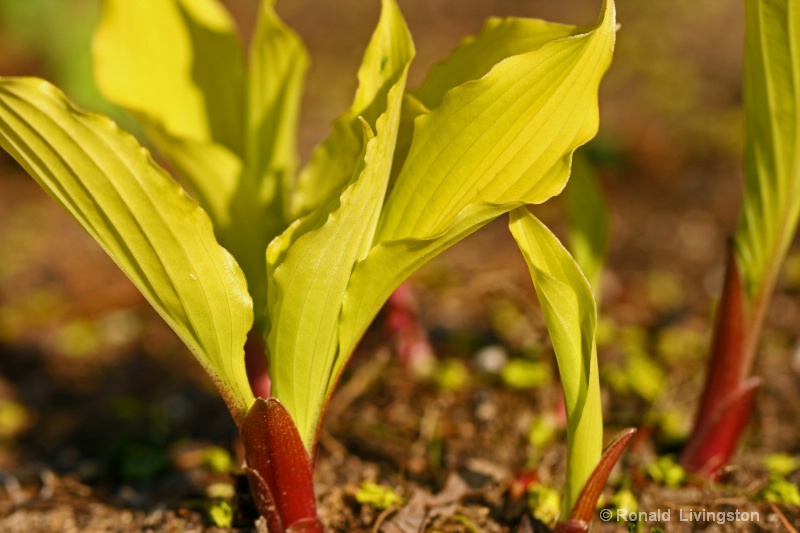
x=305, y=258
x=767, y=225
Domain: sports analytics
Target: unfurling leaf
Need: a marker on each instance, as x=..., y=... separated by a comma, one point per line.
x=311, y=262
x=571, y=317
x=771, y=207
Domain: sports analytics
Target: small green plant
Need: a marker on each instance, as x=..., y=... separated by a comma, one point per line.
x=304, y=259
x=767, y=225
x=220, y=513
x=665, y=471
x=780, y=490
x=544, y=503
x=378, y=496
x=781, y=464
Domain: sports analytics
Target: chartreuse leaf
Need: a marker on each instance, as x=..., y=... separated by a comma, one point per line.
x=178, y=63
x=571, y=316
x=493, y=144
x=276, y=71
x=472, y=59
x=227, y=128
x=503, y=139
x=159, y=237
x=310, y=263
x=183, y=80
x=217, y=168
x=277, y=66
x=334, y=160
x=772, y=153
x=475, y=56
x=588, y=221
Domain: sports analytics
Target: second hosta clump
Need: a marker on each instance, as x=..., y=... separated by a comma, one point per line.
x=305, y=259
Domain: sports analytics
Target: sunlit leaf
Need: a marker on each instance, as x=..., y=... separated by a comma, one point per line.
x=571, y=317
x=157, y=235
x=228, y=129
x=503, y=139
x=477, y=55
x=493, y=144
x=191, y=87
x=472, y=59
x=219, y=167
x=310, y=264
x=588, y=221
x=772, y=153
x=334, y=160
x=276, y=71
x=183, y=80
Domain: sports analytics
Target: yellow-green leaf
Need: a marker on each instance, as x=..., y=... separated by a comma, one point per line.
x=158, y=236
x=334, y=160
x=472, y=59
x=276, y=71
x=772, y=153
x=493, y=144
x=497, y=140
x=177, y=62
x=228, y=129
x=218, y=171
x=310, y=264
x=183, y=80
x=588, y=221
x=571, y=317
x=475, y=56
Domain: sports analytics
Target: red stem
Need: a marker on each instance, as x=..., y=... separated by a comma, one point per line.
x=581, y=515
x=728, y=396
x=279, y=469
x=257, y=366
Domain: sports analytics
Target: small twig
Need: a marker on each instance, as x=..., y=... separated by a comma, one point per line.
x=48, y=484
x=424, y=524
x=385, y=514
x=783, y=518
x=754, y=486
x=731, y=500
x=13, y=488
x=359, y=384
x=330, y=443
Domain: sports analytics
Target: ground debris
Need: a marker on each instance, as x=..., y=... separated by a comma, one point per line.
x=441, y=512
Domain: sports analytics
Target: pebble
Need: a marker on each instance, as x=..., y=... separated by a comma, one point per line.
x=491, y=359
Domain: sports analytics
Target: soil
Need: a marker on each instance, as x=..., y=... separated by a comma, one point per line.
x=107, y=423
